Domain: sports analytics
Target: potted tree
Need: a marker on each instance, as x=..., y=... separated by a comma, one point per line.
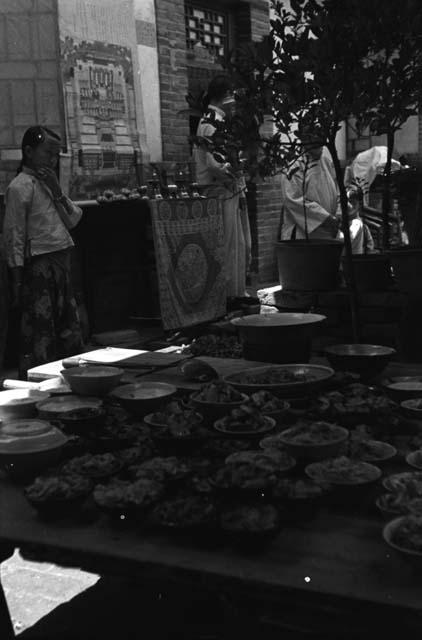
x=313, y=77
x=391, y=78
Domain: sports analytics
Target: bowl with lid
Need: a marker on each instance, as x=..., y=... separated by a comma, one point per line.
x=29, y=446
x=20, y=403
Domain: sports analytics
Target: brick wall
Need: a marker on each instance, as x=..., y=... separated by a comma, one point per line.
x=267, y=193
x=170, y=18
x=251, y=22
x=268, y=207
x=260, y=20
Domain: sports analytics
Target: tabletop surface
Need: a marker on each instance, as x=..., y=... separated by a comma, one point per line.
x=334, y=554
x=331, y=554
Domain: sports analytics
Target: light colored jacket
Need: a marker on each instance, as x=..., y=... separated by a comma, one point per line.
x=312, y=188
x=32, y=224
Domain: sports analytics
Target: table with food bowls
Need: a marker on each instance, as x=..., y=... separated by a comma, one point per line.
x=285, y=484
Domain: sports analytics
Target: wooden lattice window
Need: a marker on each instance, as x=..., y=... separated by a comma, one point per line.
x=206, y=28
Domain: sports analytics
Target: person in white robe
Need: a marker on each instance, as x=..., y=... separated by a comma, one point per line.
x=221, y=180
x=311, y=204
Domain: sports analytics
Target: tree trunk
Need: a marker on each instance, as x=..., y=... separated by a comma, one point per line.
x=351, y=283
x=386, y=195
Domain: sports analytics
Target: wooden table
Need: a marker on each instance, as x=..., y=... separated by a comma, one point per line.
x=334, y=569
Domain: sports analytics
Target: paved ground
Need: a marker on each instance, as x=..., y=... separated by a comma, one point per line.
x=35, y=589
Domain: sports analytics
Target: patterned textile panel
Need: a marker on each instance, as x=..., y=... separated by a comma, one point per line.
x=189, y=248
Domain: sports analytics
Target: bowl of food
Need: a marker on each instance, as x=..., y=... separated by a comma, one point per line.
x=414, y=459
x=184, y=513
x=56, y=496
x=409, y=482
x=343, y=472
x=82, y=420
x=123, y=500
x=302, y=497
x=216, y=400
x=270, y=405
x=403, y=388
x=142, y=398
x=283, y=381
x=355, y=404
x=178, y=438
x=392, y=505
x=368, y=360
x=314, y=440
x=174, y=412
x=244, y=422
x=272, y=442
x=404, y=535
x=250, y=525
x=258, y=469
x=164, y=469
x=412, y=408
x=29, y=446
x=415, y=506
x=18, y=404
x=373, y=451
x=93, y=380
x=100, y=465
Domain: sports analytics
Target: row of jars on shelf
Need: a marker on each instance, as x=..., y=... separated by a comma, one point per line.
x=152, y=190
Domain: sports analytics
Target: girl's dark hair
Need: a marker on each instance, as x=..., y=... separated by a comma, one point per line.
x=217, y=89
x=32, y=138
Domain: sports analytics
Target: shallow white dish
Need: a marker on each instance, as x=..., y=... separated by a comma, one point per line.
x=57, y=405
x=277, y=319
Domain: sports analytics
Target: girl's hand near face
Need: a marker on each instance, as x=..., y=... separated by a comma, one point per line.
x=49, y=177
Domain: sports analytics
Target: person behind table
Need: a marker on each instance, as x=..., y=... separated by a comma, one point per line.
x=38, y=244
x=311, y=200
x=220, y=179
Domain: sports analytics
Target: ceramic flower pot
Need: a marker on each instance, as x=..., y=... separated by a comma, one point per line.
x=309, y=265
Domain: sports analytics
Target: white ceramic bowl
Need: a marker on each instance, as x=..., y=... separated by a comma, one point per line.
x=92, y=380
